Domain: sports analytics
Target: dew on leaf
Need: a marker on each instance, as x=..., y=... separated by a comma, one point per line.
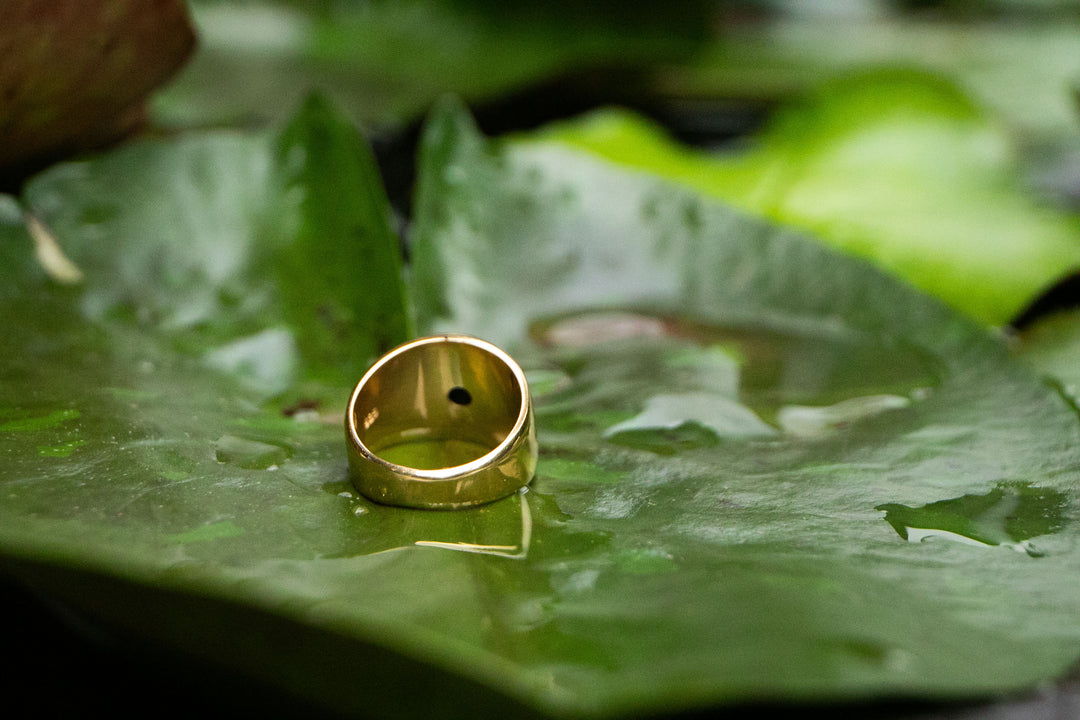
x=725, y=417
x=1008, y=516
x=62, y=450
x=814, y=421
x=250, y=454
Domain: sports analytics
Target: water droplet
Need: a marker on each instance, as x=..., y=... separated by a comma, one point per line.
x=764, y=369
x=1007, y=516
x=808, y=421
x=723, y=416
x=62, y=450
x=250, y=454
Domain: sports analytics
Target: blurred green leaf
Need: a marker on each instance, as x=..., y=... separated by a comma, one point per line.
x=151, y=485
x=386, y=62
x=1051, y=347
x=894, y=166
x=1016, y=59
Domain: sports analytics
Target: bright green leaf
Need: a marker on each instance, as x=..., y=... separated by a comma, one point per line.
x=897, y=167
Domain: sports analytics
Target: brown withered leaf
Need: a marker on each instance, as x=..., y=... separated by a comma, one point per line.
x=74, y=73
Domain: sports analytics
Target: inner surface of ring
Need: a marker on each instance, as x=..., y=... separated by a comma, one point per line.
x=437, y=405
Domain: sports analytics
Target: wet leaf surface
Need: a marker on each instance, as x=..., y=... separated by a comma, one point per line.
x=669, y=555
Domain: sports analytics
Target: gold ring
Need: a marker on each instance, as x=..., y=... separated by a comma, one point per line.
x=441, y=422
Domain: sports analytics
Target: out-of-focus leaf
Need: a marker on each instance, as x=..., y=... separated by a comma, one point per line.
x=1018, y=61
x=1052, y=347
x=75, y=74
x=896, y=167
x=663, y=567
x=386, y=62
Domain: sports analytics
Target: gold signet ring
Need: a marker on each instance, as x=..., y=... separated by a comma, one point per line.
x=441, y=422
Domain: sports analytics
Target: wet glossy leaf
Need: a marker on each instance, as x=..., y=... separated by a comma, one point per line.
x=665, y=558
x=897, y=167
x=873, y=391
x=271, y=257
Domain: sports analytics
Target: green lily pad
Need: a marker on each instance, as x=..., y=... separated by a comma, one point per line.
x=676, y=569
x=897, y=167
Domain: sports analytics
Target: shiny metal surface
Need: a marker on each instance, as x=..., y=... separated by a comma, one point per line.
x=441, y=422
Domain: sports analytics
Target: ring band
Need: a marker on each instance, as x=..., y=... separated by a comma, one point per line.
x=441, y=422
